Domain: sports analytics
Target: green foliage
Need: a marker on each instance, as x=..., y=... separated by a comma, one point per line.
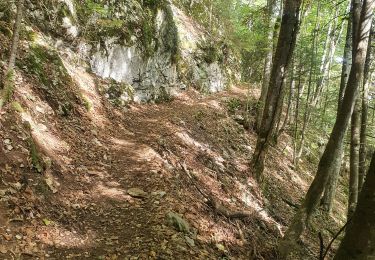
x=162, y=96
x=120, y=94
x=147, y=38
x=154, y=4
x=234, y=104
x=170, y=35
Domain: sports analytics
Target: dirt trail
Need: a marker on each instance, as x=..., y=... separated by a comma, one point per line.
x=118, y=175
x=145, y=149
x=153, y=149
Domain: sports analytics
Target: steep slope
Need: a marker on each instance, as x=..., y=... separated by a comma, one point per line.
x=87, y=173
x=111, y=179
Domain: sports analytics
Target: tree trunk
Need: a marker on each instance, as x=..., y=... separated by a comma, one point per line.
x=332, y=150
x=364, y=115
x=271, y=11
x=296, y=115
x=285, y=45
x=324, y=66
x=354, y=159
x=8, y=83
x=347, y=60
x=330, y=188
x=359, y=240
x=281, y=127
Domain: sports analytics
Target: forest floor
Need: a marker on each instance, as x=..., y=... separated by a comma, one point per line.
x=157, y=181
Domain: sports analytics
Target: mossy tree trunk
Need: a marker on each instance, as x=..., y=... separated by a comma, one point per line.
x=359, y=239
x=328, y=160
x=285, y=46
x=8, y=82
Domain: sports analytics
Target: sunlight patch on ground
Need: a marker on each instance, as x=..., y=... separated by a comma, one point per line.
x=111, y=192
x=54, y=235
x=120, y=143
x=146, y=153
x=216, y=232
x=51, y=143
x=37, y=116
x=88, y=89
x=255, y=204
x=212, y=104
x=189, y=141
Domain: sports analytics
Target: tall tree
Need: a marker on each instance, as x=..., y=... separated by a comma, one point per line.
x=364, y=114
x=330, y=187
x=272, y=30
x=359, y=240
x=284, y=49
x=332, y=150
x=8, y=81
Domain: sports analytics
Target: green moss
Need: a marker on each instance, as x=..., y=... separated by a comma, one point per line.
x=35, y=63
x=36, y=160
x=7, y=91
x=147, y=38
x=16, y=106
x=47, y=68
x=87, y=104
x=170, y=36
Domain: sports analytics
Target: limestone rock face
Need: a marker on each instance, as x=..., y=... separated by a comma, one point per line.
x=150, y=77
x=156, y=50
x=159, y=75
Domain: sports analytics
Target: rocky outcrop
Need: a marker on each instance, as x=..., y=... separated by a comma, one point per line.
x=155, y=50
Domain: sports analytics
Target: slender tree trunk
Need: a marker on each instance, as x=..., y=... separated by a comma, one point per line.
x=271, y=11
x=354, y=159
x=282, y=127
x=347, y=59
x=364, y=115
x=324, y=65
x=284, y=50
x=296, y=116
x=8, y=83
x=359, y=240
x=306, y=117
x=330, y=187
x=332, y=150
